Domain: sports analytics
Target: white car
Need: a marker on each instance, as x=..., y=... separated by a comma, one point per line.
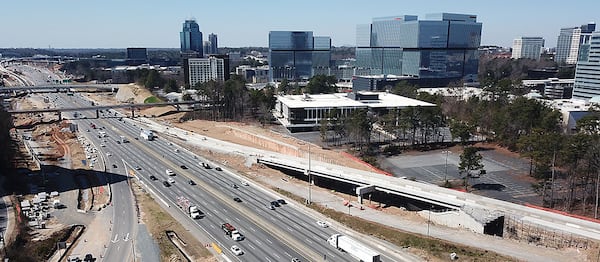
x=323, y=224
x=102, y=145
x=244, y=183
x=171, y=180
x=108, y=154
x=170, y=172
x=236, y=250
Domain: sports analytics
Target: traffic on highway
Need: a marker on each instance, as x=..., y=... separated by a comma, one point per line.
x=261, y=225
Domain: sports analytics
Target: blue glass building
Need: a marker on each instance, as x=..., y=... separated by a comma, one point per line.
x=191, y=38
x=213, y=47
x=435, y=51
x=297, y=55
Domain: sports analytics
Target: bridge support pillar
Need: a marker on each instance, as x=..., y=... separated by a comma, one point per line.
x=59, y=116
x=132, y=113
x=97, y=114
x=360, y=191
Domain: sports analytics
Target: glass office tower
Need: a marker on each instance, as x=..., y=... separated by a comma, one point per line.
x=191, y=38
x=587, y=73
x=570, y=40
x=440, y=49
x=213, y=48
x=297, y=55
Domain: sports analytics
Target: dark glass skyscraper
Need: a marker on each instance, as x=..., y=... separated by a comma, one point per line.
x=297, y=55
x=437, y=50
x=191, y=38
x=213, y=47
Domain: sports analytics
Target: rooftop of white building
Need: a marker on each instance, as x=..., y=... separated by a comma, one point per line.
x=385, y=100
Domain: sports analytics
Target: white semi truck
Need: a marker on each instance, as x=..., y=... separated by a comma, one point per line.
x=147, y=135
x=354, y=248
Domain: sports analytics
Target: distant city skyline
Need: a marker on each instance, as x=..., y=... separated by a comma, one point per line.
x=156, y=24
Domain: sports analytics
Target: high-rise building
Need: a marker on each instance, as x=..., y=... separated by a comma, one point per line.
x=570, y=40
x=191, y=38
x=527, y=47
x=214, y=48
x=201, y=70
x=297, y=55
x=435, y=51
x=587, y=72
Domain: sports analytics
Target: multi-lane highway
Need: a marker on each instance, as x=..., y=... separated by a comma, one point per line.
x=271, y=235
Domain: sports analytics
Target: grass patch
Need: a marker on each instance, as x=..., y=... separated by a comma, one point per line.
x=440, y=249
x=158, y=221
x=151, y=100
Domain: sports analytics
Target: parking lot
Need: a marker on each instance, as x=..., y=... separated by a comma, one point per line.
x=506, y=177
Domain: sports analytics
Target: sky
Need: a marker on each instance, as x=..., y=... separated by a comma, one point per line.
x=241, y=23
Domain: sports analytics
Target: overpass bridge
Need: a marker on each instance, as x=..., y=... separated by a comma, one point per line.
x=478, y=213
x=102, y=107
x=59, y=88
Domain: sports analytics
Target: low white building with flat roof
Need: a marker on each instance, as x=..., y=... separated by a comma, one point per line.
x=304, y=112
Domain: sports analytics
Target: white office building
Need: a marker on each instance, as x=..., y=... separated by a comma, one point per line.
x=527, y=47
x=304, y=112
x=587, y=73
x=201, y=70
x=570, y=41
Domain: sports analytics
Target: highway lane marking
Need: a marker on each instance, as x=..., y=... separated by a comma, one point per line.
x=252, y=228
x=251, y=246
x=258, y=242
x=216, y=211
x=308, y=240
x=116, y=239
x=236, y=218
x=290, y=229
x=267, y=259
x=213, y=226
x=224, y=210
x=288, y=254
x=277, y=256
x=266, y=239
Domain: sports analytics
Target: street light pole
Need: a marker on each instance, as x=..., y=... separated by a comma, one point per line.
x=429, y=220
x=446, y=168
x=309, y=201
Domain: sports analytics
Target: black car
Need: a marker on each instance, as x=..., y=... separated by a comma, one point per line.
x=281, y=201
x=153, y=178
x=191, y=182
x=218, y=169
x=237, y=199
x=114, y=166
x=183, y=167
x=275, y=203
x=166, y=183
x=88, y=257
